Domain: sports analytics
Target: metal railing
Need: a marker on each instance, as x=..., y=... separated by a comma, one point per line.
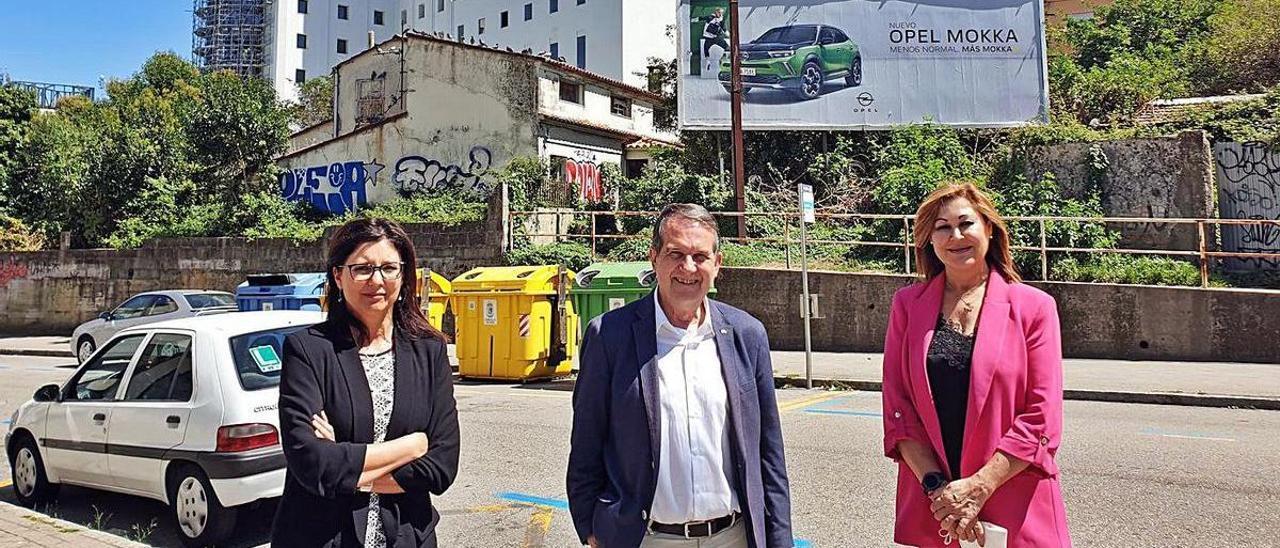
x=1205, y=253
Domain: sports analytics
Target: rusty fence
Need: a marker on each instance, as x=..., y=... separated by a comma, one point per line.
x=1206, y=230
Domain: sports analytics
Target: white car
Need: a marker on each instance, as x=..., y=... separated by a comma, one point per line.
x=182, y=411
x=144, y=308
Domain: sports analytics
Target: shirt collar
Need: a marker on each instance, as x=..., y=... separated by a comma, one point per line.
x=661, y=320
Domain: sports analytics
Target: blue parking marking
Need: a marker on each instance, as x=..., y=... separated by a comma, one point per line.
x=558, y=504
x=843, y=412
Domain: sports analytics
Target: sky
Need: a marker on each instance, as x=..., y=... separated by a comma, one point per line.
x=80, y=41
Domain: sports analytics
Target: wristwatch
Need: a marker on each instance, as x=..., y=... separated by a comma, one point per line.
x=933, y=481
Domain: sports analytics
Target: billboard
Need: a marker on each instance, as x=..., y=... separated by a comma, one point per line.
x=865, y=64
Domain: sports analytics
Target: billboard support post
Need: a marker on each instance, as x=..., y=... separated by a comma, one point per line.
x=735, y=85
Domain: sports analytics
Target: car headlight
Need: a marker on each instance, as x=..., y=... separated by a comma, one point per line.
x=781, y=54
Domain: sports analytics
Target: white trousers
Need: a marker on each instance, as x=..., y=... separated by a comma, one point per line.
x=733, y=537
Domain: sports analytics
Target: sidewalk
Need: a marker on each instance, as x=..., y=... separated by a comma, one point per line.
x=1177, y=383
x=20, y=527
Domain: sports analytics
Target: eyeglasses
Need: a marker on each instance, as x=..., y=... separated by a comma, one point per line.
x=363, y=272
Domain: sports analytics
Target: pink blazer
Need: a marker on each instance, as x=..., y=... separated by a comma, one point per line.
x=1015, y=406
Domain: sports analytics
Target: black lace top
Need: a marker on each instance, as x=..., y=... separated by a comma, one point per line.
x=950, y=354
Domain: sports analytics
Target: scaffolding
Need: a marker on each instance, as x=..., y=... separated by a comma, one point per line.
x=231, y=35
x=48, y=95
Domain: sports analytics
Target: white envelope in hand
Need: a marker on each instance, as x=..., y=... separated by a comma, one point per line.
x=997, y=537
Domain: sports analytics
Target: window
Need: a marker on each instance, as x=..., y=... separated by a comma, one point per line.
x=480, y=26
x=554, y=5
x=342, y=12
x=555, y=50
x=377, y=17
x=582, y=52
x=162, y=305
x=100, y=378
x=302, y=41
x=461, y=30
x=299, y=76
x=581, y=2
x=422, y=11
x=439, y=5
x=503, y=19
x=571, y=92
x=825, y=36
x=342, y=46
x=133, y=308
x=202, y=301
x=840, y=36
x=164, y=371
x=620, y=106
x=259, y=356
x=528, y=12
x=302, y=6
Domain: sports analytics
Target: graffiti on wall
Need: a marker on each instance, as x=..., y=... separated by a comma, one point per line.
x=12, y=271
x=414, y=174
x=1249, y=187
x=336, y=188
x=583, y=173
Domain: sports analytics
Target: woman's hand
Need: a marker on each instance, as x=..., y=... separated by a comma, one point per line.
x=956, y=507
x=322, y=427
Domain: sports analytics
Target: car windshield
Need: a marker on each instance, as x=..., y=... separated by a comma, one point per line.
x=789, y=35
x=259, y=356
x=200, y=301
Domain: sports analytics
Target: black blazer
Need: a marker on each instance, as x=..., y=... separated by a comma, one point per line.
x=320, y=505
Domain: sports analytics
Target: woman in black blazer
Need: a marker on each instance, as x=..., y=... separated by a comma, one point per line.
x=367, y=416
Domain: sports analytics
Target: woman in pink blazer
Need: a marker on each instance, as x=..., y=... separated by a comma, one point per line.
x=973, y=386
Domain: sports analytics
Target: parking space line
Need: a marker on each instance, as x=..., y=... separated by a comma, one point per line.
x=5, y=483
x=1184, y=435
x=805, y=402
x=558, y=504
x=844, y=412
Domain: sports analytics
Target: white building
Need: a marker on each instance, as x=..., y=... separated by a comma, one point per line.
x=288, y=41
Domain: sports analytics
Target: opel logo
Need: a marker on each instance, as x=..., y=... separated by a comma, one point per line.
x=865, y=99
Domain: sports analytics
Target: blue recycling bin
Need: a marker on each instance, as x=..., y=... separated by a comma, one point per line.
x=295, y=291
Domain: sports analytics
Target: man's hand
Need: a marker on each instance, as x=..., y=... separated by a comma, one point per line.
x=592, y=542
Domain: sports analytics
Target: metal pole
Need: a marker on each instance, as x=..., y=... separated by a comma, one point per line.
x=1044, y=255
x=786, y=237
x=1204, y=260
x=906, y=245
x=804, y=306
x=735, y=84
x=593, y=234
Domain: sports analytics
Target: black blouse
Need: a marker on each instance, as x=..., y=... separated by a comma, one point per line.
x=949, y=357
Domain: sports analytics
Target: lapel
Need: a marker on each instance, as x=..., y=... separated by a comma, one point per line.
x=402, y=348
x=357, y=385
x=921, y=322
x=644, y=332
x=731, y=367
x=993, y=323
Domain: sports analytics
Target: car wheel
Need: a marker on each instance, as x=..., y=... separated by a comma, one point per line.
x=30, y=483
x=810, y=81
x=85, y=348
x=855, y=73
x=198, y=515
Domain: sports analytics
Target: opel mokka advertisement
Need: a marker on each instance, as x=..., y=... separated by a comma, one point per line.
x=864, y=64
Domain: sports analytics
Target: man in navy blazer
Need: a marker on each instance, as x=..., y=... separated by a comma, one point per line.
x=676, y=436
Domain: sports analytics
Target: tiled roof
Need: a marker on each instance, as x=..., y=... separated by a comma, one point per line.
x=636, y=137
x=1171, y=110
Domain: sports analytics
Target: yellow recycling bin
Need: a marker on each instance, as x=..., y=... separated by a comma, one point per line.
x=433, y=294
x=514, y=323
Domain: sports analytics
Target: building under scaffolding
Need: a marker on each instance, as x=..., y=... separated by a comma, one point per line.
x=231, y=35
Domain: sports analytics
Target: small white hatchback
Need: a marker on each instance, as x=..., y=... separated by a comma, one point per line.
x=181, y=411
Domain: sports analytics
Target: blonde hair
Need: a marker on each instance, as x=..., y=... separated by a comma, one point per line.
x=999, y=253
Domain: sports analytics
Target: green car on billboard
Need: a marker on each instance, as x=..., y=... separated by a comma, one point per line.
x=798, y=58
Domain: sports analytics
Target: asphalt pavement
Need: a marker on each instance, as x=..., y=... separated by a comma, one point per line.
x=1132, y=475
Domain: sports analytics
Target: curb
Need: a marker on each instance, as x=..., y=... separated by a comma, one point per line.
x=36, y=352
x=1150, y=398
x=65, y=531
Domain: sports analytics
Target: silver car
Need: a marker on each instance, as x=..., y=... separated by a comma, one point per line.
x=144, y=308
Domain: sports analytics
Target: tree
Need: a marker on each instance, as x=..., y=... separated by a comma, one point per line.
x=1244, y=45
x=315, y=101
x=17, y=106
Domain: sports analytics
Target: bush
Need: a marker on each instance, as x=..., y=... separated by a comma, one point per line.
x=447, y=208
x=1126, y=269
x=573, y=255
x=752, y=254
x=634, y=249
x=666, y=181
x=16, y=236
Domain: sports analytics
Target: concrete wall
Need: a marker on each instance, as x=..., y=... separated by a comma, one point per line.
x=50, y=292
x=1098, y=321
x=1156, y=177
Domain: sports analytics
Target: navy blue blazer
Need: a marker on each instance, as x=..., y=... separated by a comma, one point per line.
x=613, y=456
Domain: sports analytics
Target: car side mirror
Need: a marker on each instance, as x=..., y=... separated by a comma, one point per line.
x=47, y=393
x=105, y=316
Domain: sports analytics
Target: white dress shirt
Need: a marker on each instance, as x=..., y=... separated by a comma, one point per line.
x=694, y=456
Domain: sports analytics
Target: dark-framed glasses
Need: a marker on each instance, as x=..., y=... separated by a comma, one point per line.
x=363, y=272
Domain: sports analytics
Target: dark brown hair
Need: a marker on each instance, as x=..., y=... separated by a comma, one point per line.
x=407, y=312
x=999, y=254
x=693, y=213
